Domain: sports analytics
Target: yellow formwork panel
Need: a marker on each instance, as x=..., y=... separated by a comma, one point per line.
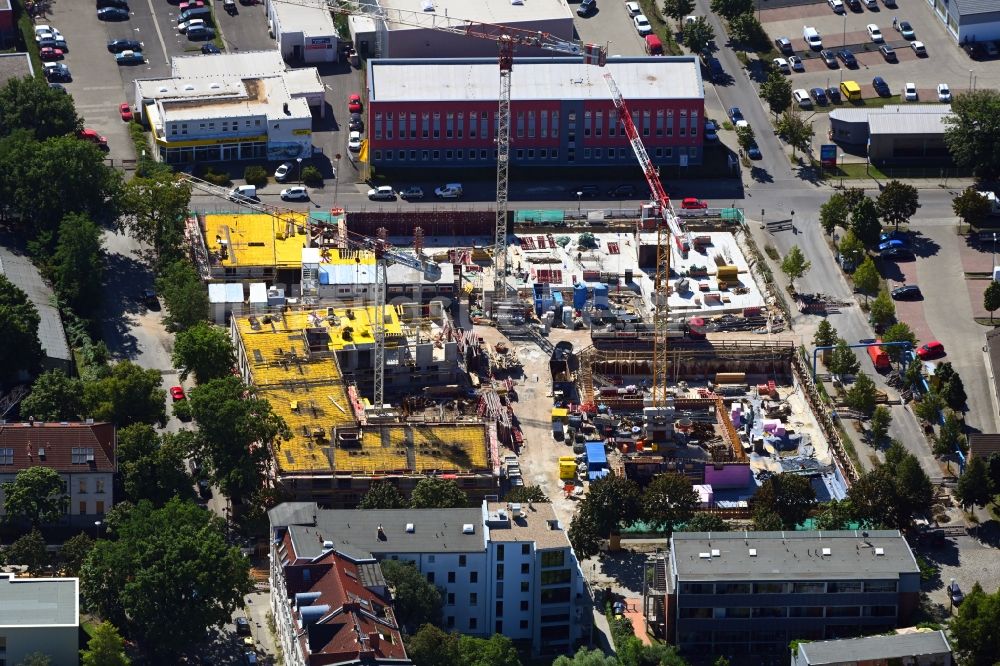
x=311, y=414
x=450, y=447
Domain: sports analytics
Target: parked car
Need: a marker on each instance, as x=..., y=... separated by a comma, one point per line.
x=955, y=593
x=177, y=393
x=897, y=253
x=129, y=58
x=297, y=193
x=735, y=115
x=120, y=4
x=711, y=131
x=42, y=29
x=281, y=173
x=782, y=65
x=847, y=58
x=892, y=243
x=356, y=123
x=185, y=26
x=112, y=14
x=119, y=45
x=910, y=91
x=693, y=203
x=881, y=87
x=991, y=49
x=819, y=96
x=905, y=292
x=642, y=25
x=633, y=8
x=382, y=193
x=888, y=53
x=242, y=626
x=622, y=192
x=905, y=30
x=49, y=54
x=836, y=5
x=801, y=97
x=796, y=64
x=53, y=43
x=784, y=45
x=829, y=58
x=933, y=349
x=354, y=103
x=944, y=92
x=871, y=4
x=587, y=191
x=210, y=49
x=874, y=33
x=354, y=142
x=855, y=5
x=58, y=86
x=586, y=8
x=412, y=193
x=56, y=71
x=833, y=93
x=125, y=111
x=150, y=299
x=753, y=152
x=919, y=48
x=449, y=191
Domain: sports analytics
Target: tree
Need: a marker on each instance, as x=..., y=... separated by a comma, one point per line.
x=973, y=628
x=949, y=438
x=697, y=34
x=237, y=431
x=21, y=351
x=864, y=222
x=54, y=397
x=437, y=493
x=431, y=646
x=705, y=522
x=73, y=553
x=154, y=209
x=415, y=601
x=497, y=650
x=524, y=494
x=765, y=521
x=795, y=265
x=165, y=567
x=991, y=298
x=826, y=334
x=586, y=241
x=971, y=206
x=879, y=423
x=993, y=467
x=777, y=92
x=36, y=494
x=929, y=407
x=866, y=277
x=835, y=515
x=745, y=137
x=129, y=394
x=862, y=395
x=30, y=104
x=882, y=310
x=746, y=29
x=796, y=131
x=106, y=647
x=30, y=551
x=834, y=213
x=204, y=350
x=730, y=9
x=669, y=500
x=586, y=657
x=949, y=384
x=972, y=131
x=974, y=486
x=151, y=466
x=383, y=495
x=78, y=263
x=916, y=492
x=843, y=361
x=851, y=248
x=678, y=9
x=788, y=496
x=913, y=376
x=584, y=535
x=898, y=332
x=184, y=295
x=889, y=495
x=613, y=502
x=36, y=659
x=897, y=202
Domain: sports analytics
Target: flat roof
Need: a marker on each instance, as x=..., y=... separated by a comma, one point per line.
x=482, y=11
x=791, y=555
x=875, y=648
x=539, y=525
x=259, y=239
x=908, y=123
x=39, y=602
x=14, y=65
x=238, y=64
x=25, y=276
x=267, y=97
x=475, y=79
x=310, y=17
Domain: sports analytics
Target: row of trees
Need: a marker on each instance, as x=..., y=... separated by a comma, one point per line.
x=861, y=215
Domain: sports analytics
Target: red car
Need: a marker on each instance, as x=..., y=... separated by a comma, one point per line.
x=933, y=349
x=184, y=6
x=93, y=136
x=126, y=112
x=691, y=203
x=48, y=54
x=177, y=393
x=354, y=103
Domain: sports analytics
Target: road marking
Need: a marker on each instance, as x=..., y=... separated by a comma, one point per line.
x=159, y=35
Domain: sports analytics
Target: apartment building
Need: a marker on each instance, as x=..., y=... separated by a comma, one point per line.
x=39, y=615
x=501, y=568
x=746, y=595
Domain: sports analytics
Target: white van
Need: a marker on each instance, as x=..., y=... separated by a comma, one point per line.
x=449, y=191
x=812, y=38
x=244, y=193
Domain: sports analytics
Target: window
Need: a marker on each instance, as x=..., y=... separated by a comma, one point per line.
x=448, y=154
x=808, y=588
x=770, y=611
x=473, y=576
x=388, y=153
x=473, y=622
x=645, y=123
x=520, y=154
x=520, y=124
x=770, y=588
x=555, y=124
x=525, y=568
x=543, y=153
x=880, y=611
x=83, y=506
x=880, y=586
x=499, y=608
x=736, y=612
x=460, y=154
x=525, y=548
x=437, y=125
x=556, y=595
x=425, y=155
x=83, y=485
x=498, y=625
x=659, y=152
x=598, y=153
x=805, y=611
x=659, y=122
x=525, y=585
x=450, y=124
x=451, y=621
x=430, y=559
x=556, y=576
x=437, y=155
x=413, y=154
x=524, y=624
x=100, y=507
x=378, y=154
x=482, y=154
x=524, y=606
x=586, y=123
x=451, y=598
x=670, y=122
x=461, y=560
x=598, y=123
x=733, y=588
x=499, y=594
x=499, y=572
x=82, y=456
x=430, y=577
x=473, y=599
x=697, y=588
x=694, y=123
x=531, y=124
x=683, y=131
x=531, y=153
x=843, y=611
x=843, y=587
x=545, y=123
x=6, y=456
x=586, y=153
x=696, y=613
x=612, y=122
x=451, y=576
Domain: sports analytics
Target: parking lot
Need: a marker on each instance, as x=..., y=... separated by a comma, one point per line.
x=610, y=25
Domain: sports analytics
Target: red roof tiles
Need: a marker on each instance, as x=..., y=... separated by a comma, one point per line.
x=64, y=447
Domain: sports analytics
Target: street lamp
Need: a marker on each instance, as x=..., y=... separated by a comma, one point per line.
x=993, y=267
x=843, y=44
x=299, y=160
x=951, y=598
x=97, y=524
x=579, y=195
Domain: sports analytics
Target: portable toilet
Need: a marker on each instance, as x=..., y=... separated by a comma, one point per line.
x=567, y=467
x=579, y=295
x=601, y=296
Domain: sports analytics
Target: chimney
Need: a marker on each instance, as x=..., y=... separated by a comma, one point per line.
x=31, y=421
x=381, y=533
x=373, y=640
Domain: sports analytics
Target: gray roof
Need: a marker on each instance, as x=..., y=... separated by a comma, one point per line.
x=14, y=65
x=22, y=273
x=908, y=123
x=39, y=602
x=849, y=115
x=355, y=532
x=852, y=650
x=971, y=7
x=293, y=513
x=852, y=555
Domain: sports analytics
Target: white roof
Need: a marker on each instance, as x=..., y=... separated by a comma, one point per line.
x=310, y=17
x=39, y=602
x=303, y=81
x=184, y=88
x=536, y=79
x=261, y=97
x=503, y=12
x=907, y=123
x=258, y=292
x=231, y=292
x=242, y=64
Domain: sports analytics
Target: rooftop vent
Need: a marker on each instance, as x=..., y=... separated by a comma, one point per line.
x=826, y=552
x=214, y=86
x=189, y=87
x=753, y=552
x=468, y=528
x=162, y=89
x=328, y=545
x=705, y=556
x=409, y=528
x=515, y=508
x=716, y=552
x=313, y=614
x=880, y=551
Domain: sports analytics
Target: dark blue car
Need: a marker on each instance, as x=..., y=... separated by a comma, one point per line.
x=880, y=86
x=819, y=96
x=735, y=114
x=848, y=58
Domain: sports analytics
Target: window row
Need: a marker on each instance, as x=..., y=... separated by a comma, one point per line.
x=811, y=587
x=224, y=126
x=662, y=123
x=521, y=154
x=744, y=613
x=452, y=125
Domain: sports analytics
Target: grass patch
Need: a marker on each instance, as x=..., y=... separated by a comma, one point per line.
x=849, y=447
x=770, y=251
x=26, y=30
x=660, y=27
x=986, y=321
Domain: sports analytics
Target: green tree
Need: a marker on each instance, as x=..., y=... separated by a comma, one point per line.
x=437, y=493
x=972, y=131
x=205, y=351
x=971, y=206
x=929, y=406
x=949, y=437
x=898, y=332
x=678, y=9
x=913, y=376
x=862, y=395
x=950, y=386
x=78, y=263
x=843, y=361
x=129, y=394
x=524, y=494
x=745, y=29
x=993, y=466
x=237, y=430
x=879, y=500
x=880, y=420
x=73, y=553
x=897, y=202
x=36, y=659
x=795, y=265
x=383, y=495
x=730, y=9
x=835, y=515
x=54, y=397
x=106, y=647
x=154, y=209
x=851, y=248
x=431, y=646
x=415, y=601
x=586, y=657
x=611, y=502
x=796, y=131
x=974, y=486
x=705, y=522
x=973, y=629
x=765, y=521
x=151, y=466
x=745, y=137
x=697, y=34
x=36, y=494
x=30, y=551
x=991, y=298
x=864, y=222
x=165, y=567
x=826, y=334
x=497, y=650
x=789, y=496
x=184, y=295
x=669, y=500
x=21, y=351
x=866, y=278
x=882, y=310
x=833, y=213
x=916, y=492
x=30, y=104
x=777, y=92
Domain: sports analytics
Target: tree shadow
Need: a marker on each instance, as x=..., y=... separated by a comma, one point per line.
x=626, y=568
x=761, y=175
x=923, y=246
x=889, y=270
x=125, y=278
x=809, y=174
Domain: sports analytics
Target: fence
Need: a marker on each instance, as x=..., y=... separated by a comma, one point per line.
x=819, y=407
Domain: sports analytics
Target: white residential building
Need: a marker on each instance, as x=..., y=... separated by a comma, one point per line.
x=39, y=615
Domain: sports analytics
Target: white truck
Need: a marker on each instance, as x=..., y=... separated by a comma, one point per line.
x=994, y=202
x=812, y=38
